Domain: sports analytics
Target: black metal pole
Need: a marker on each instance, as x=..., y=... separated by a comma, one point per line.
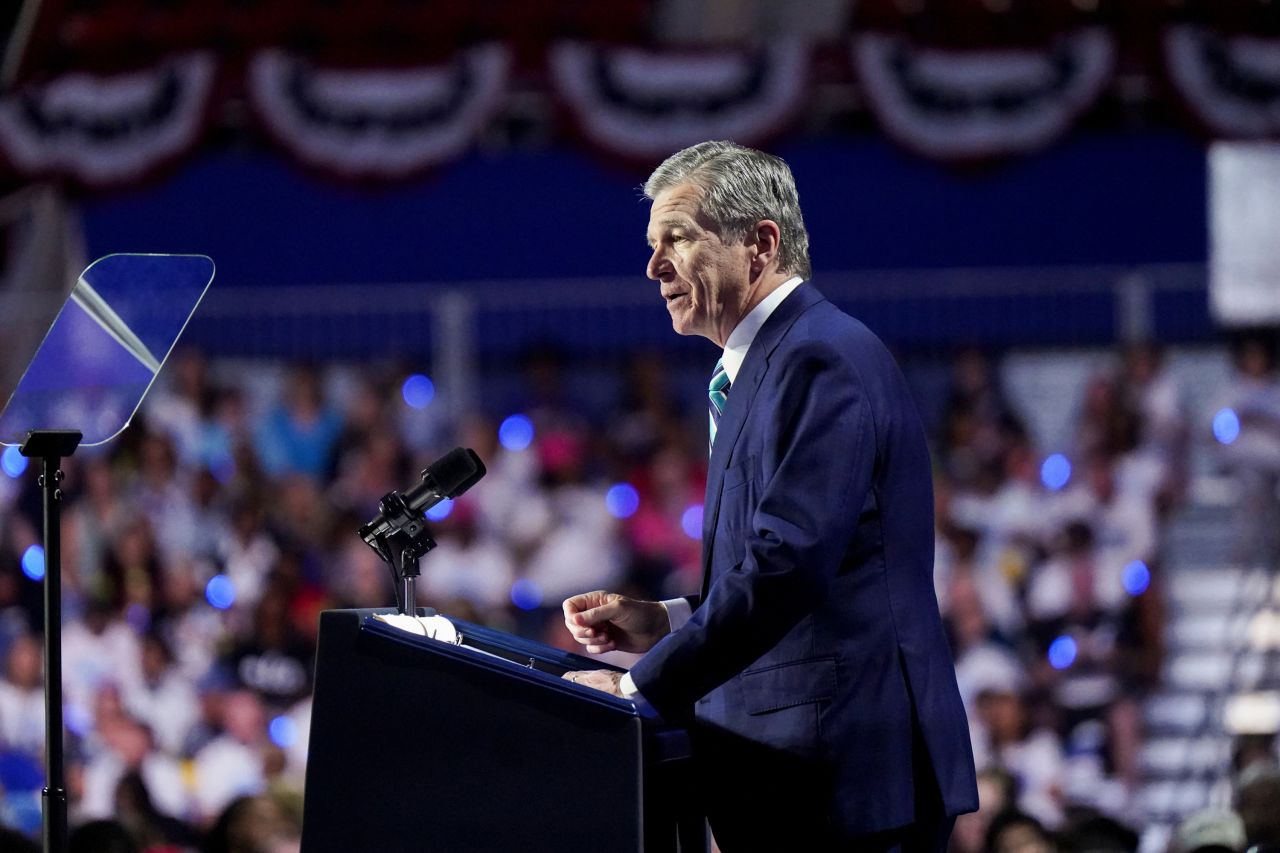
x=55, y=791
x=51, y=447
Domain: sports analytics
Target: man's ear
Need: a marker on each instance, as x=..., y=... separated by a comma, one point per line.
x=765, y=241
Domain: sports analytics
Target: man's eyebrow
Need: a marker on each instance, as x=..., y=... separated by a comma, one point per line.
x=669, y=222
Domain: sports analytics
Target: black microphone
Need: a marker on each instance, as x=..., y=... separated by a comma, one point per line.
x=447, y=477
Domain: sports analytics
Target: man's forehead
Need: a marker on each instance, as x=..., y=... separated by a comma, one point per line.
x=676, y=206
x=681, y=196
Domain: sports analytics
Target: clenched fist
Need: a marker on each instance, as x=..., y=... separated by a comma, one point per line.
x=605, y=621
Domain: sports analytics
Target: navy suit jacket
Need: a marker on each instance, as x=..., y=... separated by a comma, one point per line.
x=817, y=638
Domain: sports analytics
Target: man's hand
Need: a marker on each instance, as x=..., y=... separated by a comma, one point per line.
x=601, y=679
x=605, y=621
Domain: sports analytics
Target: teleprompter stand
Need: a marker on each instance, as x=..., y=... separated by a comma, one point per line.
x=51, y=447
x=80, y=388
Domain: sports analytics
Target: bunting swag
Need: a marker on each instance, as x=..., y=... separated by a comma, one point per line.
x=643, y=105
x=380, y=124
x=103, y=131
x=979, y=104
x=1230, y=82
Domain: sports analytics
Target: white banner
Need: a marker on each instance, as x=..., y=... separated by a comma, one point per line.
x=1244, y=221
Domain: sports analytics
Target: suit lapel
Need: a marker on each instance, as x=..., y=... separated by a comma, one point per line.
x=742, y=395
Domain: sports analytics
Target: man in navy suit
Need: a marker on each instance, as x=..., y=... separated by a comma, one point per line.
x=812, y=667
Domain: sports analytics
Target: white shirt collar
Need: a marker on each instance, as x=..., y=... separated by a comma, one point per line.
x=735, y=349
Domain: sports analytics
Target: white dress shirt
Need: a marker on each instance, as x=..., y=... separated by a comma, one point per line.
x=735, y=353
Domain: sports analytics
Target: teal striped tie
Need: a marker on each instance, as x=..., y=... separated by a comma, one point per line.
x=717, y=396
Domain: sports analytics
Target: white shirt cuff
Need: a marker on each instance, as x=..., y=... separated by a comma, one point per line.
x=628, y=688
x=678, y=612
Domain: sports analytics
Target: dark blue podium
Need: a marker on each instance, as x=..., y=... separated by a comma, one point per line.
x=423, y=746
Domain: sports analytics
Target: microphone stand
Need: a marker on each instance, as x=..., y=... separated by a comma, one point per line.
x=51, y=447
x=401, y=546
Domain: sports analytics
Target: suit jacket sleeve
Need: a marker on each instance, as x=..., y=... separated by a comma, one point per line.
x=816, y=469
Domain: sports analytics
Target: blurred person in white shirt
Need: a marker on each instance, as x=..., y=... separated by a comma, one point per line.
x=1030, y=753
x=97, y=650
x=1153, y=392
x=578, y=546
x=165, y=700
x=1252, y=455
x=22, y=697
x=466, y=565
x=1123, y=524
x=126, y=746
x=232, y=764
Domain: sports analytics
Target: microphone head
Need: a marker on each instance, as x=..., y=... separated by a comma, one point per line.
x=455, y=472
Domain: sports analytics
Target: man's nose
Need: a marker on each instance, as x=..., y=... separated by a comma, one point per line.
x=657, y=264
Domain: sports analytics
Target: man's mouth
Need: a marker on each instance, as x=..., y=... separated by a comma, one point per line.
x=672, y=297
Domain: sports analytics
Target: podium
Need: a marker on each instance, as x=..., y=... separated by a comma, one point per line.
x=424, y=746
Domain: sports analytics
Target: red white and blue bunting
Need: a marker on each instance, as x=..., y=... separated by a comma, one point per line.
x=378, y=124
x=976, y=104
x=1231, y=83
x=645, y=104
x=108, y=130
x=951, y=104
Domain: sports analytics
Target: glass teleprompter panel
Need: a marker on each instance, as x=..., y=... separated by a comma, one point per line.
x=106, y=345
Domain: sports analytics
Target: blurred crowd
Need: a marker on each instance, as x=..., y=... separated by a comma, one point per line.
x=200, y=546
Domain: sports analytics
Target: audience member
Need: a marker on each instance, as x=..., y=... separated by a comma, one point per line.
x=1250, y=436
x=1210, y=831
x=1258, y=804
x=252, y=824
x=22, y=697
x=1013, y=831
x=300, y=435
x=995, y=796
x=101, y=836
x=232, y=764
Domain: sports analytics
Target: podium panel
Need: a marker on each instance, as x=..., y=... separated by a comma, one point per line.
x=419, y=745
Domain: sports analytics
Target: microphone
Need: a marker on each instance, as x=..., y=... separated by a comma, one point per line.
x=447, y=477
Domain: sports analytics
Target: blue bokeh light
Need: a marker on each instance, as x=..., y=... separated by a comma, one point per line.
x=516, y=433
x=1055, y=472
x=138, y=617
x=1136, y=578
x=222, y=465
x=418, y=391
x=1062, y=652
x=1226, y=426
x=78, y=719
x=526, y=595
x=220, y=592
x=691, y=521
x=33, y=562
x=622, y=500
x=441, y=511
x=283, y=731
x=12, y=462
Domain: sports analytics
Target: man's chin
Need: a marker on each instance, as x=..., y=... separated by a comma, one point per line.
x=683, y=324
x=683, y=328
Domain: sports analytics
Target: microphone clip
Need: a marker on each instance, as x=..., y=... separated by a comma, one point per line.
x=400, y=540
x=399, y=532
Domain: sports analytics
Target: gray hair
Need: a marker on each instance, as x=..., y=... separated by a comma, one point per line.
x=741, y=186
